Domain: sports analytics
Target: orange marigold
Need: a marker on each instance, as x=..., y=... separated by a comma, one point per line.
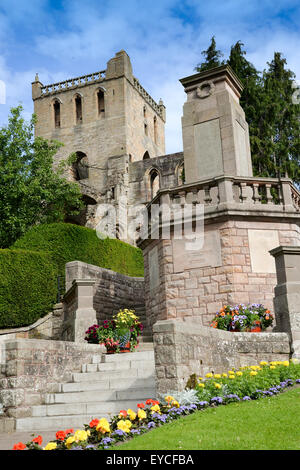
x=94, y=423
x=19, y=446
x=60, y=435
x=38, y=440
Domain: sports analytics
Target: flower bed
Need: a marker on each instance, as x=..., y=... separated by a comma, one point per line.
x=252, y=318
x=119, y=334
x=247, y=383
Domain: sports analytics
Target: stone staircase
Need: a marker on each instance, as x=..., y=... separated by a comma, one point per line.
x=100, y=390
x=147, y=336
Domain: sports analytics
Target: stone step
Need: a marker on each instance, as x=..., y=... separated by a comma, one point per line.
x=98, y=409
x=96, y=396
x=141, y=355
x=121, y=365
x=107, y=384
x=111, y=374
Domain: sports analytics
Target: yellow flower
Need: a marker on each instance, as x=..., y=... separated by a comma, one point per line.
x=239, y=373
x=253, y=367
x=142, y=414
x=103, y=426
x=70, y=441
x=156, y=408
x=50, y=446
x=263, y=363
x=169, y=398
x=286, y=363
x=200, y=378
x=224, y=375
x=175, y=403
x=131, y=414
x=80, y=435
x=272, y=367
x=124, y=425
x=217, y=385
x=209, y=375
x=231, y=376
x=231, y=372
x=253, y=373
x=217, y=376
x=201, y=385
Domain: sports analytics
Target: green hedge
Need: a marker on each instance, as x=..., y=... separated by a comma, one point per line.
x=68, y=242
x=28, y=287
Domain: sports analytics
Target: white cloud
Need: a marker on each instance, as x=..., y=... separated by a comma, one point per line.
x=164, y=40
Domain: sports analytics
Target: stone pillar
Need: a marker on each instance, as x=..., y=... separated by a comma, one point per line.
x=79, y=312
x=214, y=130
x=36, y=88
x=287, y=293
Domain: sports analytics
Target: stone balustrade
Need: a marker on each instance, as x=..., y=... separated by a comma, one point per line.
x=73, y=83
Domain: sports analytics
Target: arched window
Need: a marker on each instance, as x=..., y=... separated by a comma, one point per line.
x=146, y=128
x=146, y=155
x=154, y=183
x=81, y=167
x=144, y=111
x=155, y=129
x=56, y=109
x=78, y=109
x=100, y=103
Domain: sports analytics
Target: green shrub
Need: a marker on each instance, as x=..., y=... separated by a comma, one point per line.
x=68, y=242
x=28, y=287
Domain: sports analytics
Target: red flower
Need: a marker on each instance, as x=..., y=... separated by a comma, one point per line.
x=123, y=413
x=60, y=435
x=69, y=431
x=149, y=401
x=38, y=440
x=19, y=446
x=94, y=423
x=140, y=405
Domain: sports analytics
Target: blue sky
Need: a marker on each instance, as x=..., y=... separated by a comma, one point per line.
x=164, y=39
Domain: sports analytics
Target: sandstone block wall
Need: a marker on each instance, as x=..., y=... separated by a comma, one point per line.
x=183, y=348
x=112, y=291
x=32, y=368
x=185, y=289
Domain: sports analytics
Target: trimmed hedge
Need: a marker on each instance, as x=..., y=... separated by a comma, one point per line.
x=68, y=242
x=28, y=287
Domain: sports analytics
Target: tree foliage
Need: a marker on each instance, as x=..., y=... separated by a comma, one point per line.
x=31, y=190
x=273, y=116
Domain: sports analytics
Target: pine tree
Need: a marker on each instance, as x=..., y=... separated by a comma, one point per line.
x=212, y=57
x=277, y=141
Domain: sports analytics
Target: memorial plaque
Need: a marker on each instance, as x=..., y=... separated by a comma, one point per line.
x=260, y=243
x=209, y=255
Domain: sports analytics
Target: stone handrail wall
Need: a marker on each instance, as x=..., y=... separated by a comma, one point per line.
x=73, y=83
x=183, y=348
x=34, y=368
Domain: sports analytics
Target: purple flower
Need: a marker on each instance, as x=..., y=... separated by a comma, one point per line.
x=119, y=432
x=246, y=398
x=218, y=400
x=151, y=425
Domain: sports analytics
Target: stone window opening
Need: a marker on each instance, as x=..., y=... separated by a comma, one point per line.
x=155, y=129
x=78, y=108
x=100, y=103
x=146, y=155
x=146, y=128
x=80, y=167
x=154, y=183
x=144, y=111
x=56, y=109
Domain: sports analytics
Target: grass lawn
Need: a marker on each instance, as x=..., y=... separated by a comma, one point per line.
x=267, y=424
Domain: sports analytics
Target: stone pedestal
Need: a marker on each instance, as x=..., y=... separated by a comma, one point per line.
x=287, y=293
x=79, y=313
x=214, y=129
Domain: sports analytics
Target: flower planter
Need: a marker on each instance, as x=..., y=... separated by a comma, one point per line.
x=126, y=348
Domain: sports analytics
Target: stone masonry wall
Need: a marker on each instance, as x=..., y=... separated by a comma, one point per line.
x=34, y=367
x=112, y=291
x=198, y=292
x=183, y=348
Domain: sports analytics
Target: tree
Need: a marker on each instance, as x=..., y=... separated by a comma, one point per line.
x=212, y=57
x=276, y=146
x=31, y=191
